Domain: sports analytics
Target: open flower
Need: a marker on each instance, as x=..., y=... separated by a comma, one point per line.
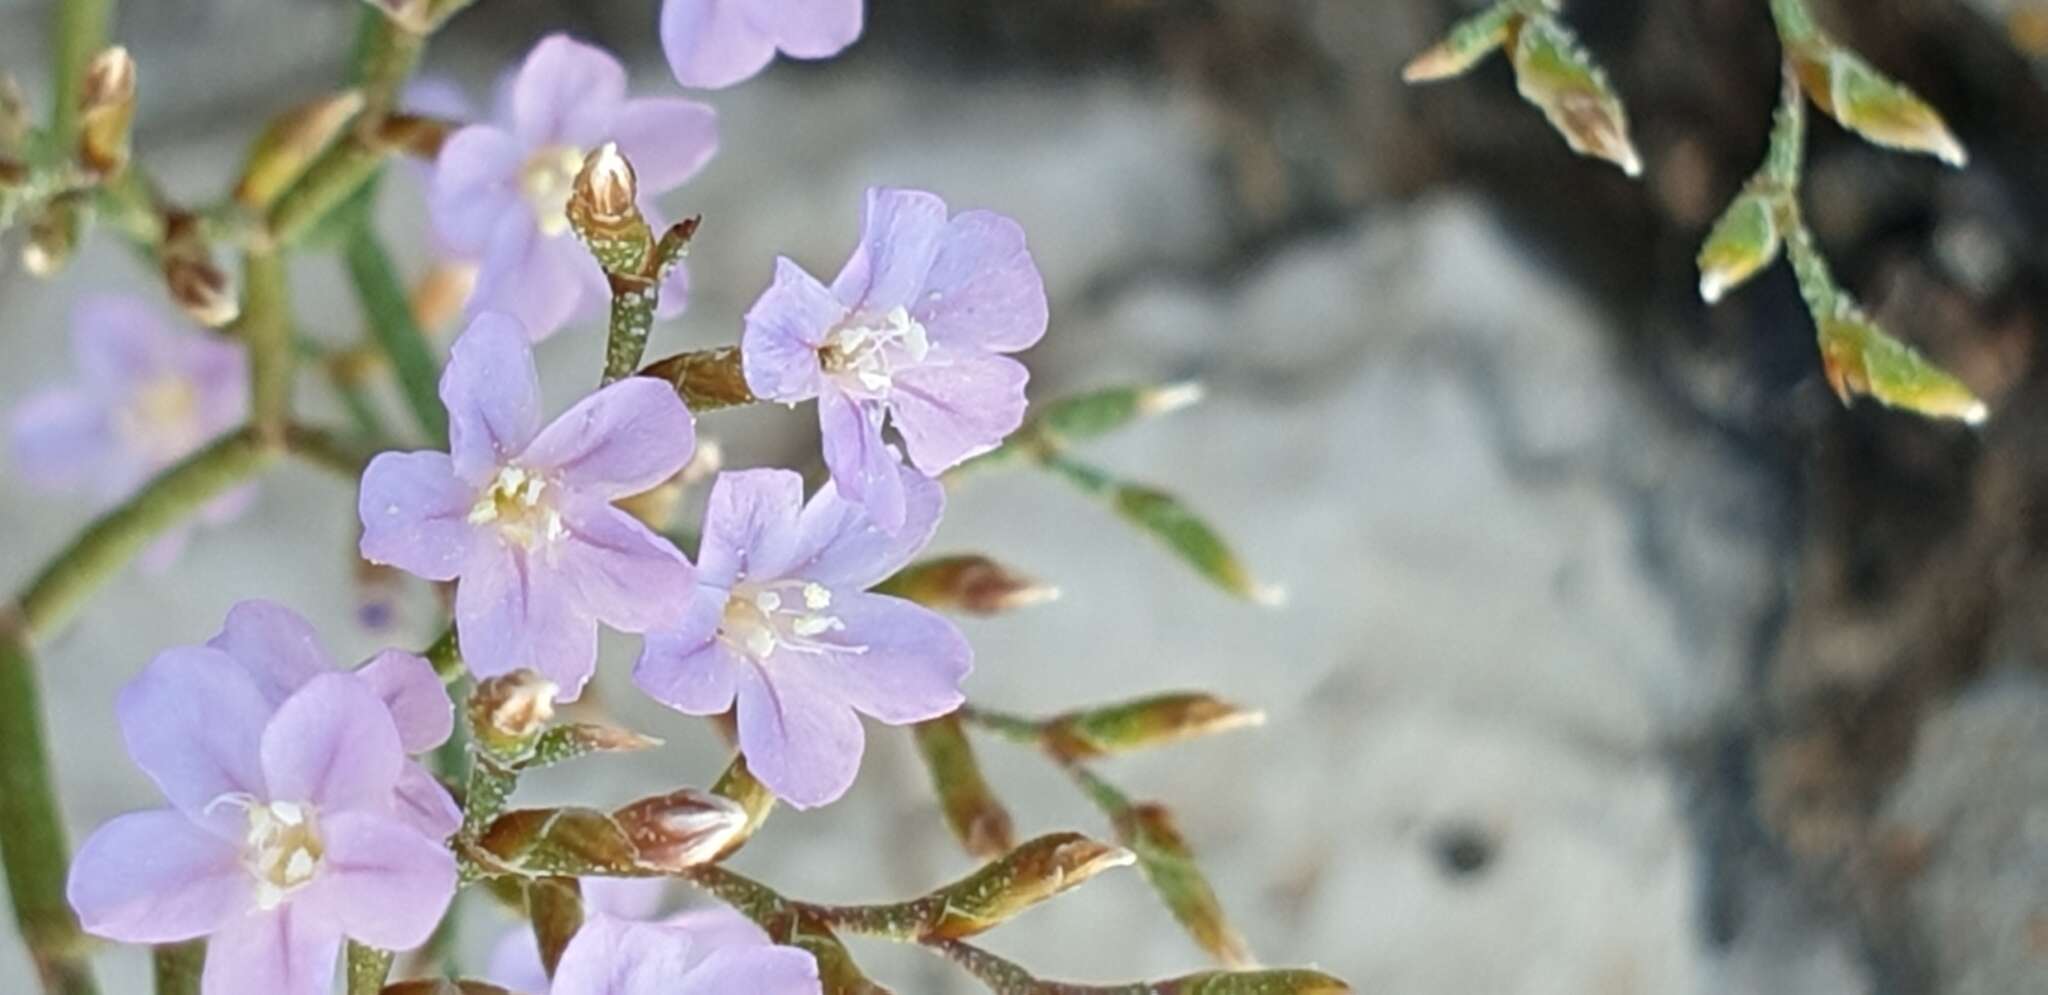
x=147, y=395
x=515, y=960
x=282, y=839
x=782, y=624
x=523, y=515
x=912, y=330
x=716, y=43
x=617, y=957
x=501, y=191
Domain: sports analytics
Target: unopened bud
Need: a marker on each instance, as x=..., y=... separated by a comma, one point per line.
x=439, y=296
x=106, y=109
x=414, y=16
x=1873, y=105
x=970, y=585
x=1038, y=870
x=1468, y=42
x=1100, y=412
x=1743, y=241
x=1277, y=982
x=565, y=841
x=200, y=289
x=1169, y=864
x=52, y=238
x=290, y=143
x=1556, y=74
x=13, y=112
x=1145, y=723
x=604, y=209
x=978, y=820
x=508, y=713
x=13, y=174
x=681, y=829
x=1861, y=358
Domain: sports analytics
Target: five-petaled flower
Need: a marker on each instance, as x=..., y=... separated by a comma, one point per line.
x=617, y=957
x=912, y=330
x=501, y=191
x=147, y=396
x=716, y=43
x=523, y=515
x=287, y=831
x=782, y=623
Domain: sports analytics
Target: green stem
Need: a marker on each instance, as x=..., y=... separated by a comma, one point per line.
x=634, y=301
x=55, y=595
x=32, y=838
x=367, y=969
x=82, y=28
x=266, y=330
x=384, y=303
x=321, y=448
x=178, y=967
x=1795, y=22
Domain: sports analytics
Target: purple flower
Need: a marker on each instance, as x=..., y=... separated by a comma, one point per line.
x=716, y=43
x=501, y=191
x=523, y=515
x=515, y=960
x=912, y=329
x=782, y=623
x=147, y=395
x=283, y=837
x=616, y=957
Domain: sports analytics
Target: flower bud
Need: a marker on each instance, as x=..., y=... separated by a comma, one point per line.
x=1860, y=358
x=559, y=841
x=13, y=112
x=1098, y=413
x=604, y=209
x=290, y=143
x=1277, y=982
x=681, y=829
x=1038, y=870
x=1464, y=46
x=978, y=820
x=200, y=289
x=1743, y=241
x=508, y=713
x=13, y=174
x=52, y=238
x=1145, y=723
x=707, y=379
x=106, y=109
x=1873, y=105
x=970, y=585
x=1554, y=72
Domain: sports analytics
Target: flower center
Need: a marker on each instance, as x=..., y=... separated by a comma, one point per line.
x=761, y=618
x=864, y=357
x=282, y=849
x=548, y=179
x=161, y=419
x=517, y=503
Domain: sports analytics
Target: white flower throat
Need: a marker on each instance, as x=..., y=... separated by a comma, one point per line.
x=548, y=179
x=161, y=419
x=762, y=618
x=282, y=849
x=519, y=503
x=864, y=358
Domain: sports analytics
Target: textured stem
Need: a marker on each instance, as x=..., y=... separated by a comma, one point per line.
x=32, y=839
x=396, y=330
x=367, y=969
x=55, y=595
x=266, y=330
x=634, y=301
x=81, y=27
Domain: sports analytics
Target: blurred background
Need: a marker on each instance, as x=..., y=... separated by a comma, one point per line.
x=1619, y=658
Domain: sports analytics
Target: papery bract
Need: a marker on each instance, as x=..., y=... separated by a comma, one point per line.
x=616, y=957
x=522, y=515
x=283, y=837
x=912, y=331
x=146, y=396
x=782, y=625
x=716, y=43
x=501, y=190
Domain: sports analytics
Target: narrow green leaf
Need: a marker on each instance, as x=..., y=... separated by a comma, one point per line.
x=388, y=309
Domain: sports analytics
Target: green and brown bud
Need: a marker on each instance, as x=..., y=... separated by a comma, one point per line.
x=551, y=842
x=507, y=714
x=682, y=829
x=201, y=289
x=1468, y=43
x=106, y=112
x=53, y=237
x=1275, y=982
x=706, y=379
x=581, y=739
x=1744, y=241
x=1168, y=862
x=1554, y=72
x=1871, y=104
x=969, y=585
x=1860, y=358
x=290, y=143
x=1098, y=413
x=1032, y=873
x=978, y=820
x=605, y=211
x=1144, y=723
x=14, y=114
